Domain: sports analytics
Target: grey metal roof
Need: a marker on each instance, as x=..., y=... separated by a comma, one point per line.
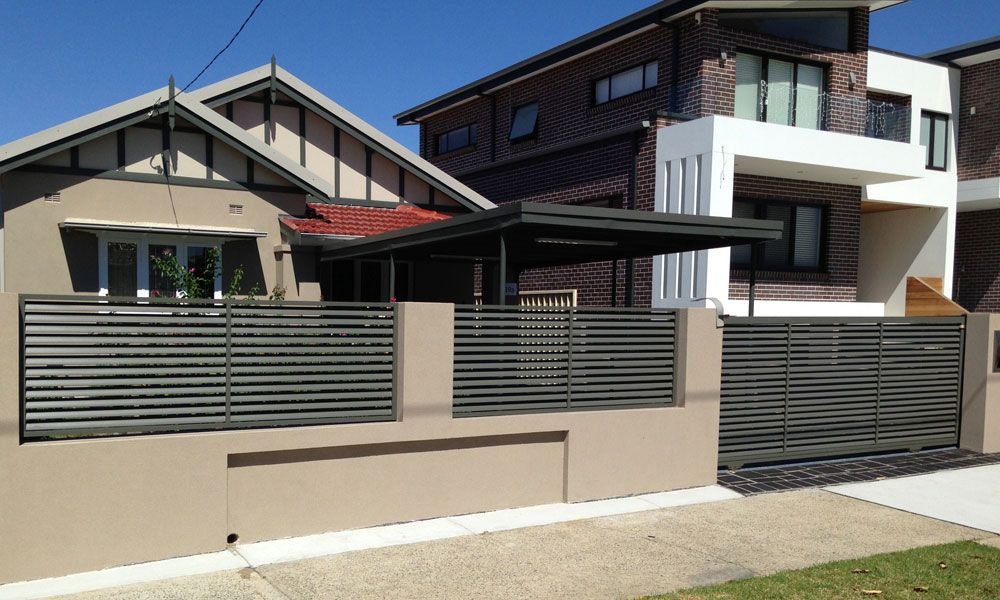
x=967, y=50
x=259, y=78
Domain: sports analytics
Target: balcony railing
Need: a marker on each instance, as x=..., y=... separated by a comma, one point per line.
x=786, y=106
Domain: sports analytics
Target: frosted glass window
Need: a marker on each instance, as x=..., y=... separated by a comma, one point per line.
x=748, y=76
x=779, y=92
x=807, y=96
x=627, y=82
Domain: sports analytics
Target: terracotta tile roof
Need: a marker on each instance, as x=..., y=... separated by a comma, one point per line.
x=343, y=219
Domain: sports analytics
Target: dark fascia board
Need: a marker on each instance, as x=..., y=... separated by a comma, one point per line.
x=622, y=27
x=502, y=217
x=965, y=50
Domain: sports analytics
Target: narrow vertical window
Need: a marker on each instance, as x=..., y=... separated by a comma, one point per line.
x=122, y=268
x=748, y=77
x=934, y=138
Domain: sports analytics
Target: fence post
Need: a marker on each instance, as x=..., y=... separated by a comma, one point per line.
x=569, y=360
x=980, y=410
x=227, y=304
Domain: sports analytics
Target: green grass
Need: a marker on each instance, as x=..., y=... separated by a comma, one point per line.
x=970, y=570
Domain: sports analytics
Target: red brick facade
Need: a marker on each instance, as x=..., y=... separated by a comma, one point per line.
x=693, y=81
x=977, y=260
x=838, y=280
x=979, y=134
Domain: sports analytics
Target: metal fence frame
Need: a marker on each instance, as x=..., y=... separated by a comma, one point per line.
x=572, y=319
x=736, y=458
x=225, y=305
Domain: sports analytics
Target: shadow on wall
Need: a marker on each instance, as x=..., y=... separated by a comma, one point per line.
x=243, y=253
x=80, y=250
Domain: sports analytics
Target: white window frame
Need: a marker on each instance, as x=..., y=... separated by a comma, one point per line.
x=142, y=242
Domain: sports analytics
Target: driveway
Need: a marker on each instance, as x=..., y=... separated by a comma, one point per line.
x=968, y=497
x=621, y=556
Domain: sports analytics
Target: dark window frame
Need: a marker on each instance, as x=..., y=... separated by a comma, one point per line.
x=513, y=115
x=928, y=159
x=593, y=82
x=850, y=46
x=760, y=206
x=472, y=137
x=766, y=57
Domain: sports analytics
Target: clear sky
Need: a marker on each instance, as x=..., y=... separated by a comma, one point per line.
x=65, y=58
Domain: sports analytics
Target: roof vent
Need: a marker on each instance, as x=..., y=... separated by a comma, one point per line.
x=53, y=197
x=236, y=209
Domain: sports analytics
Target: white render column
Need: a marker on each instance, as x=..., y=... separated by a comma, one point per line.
x=699, y=183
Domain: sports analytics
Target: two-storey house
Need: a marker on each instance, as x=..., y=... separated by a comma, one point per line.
x=736, y=109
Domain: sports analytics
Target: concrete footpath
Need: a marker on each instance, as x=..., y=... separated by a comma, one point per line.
x=622, y=556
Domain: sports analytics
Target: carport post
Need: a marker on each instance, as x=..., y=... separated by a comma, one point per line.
x=502, y=278
x=392, y=276
x=752, y=293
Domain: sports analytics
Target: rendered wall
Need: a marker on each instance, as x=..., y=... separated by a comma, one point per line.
x=981, y=385
x=42, y=258
x=78, y=505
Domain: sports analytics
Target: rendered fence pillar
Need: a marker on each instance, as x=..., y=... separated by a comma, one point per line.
x=698, y=375
x=981, y=385
x=425, y=335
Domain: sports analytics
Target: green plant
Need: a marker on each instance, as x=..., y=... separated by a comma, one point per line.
x=199, y=281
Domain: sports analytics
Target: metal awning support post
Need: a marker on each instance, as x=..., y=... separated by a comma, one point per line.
x=614, y=283
x=392, y=277
x=752, y=293
x=502, y=277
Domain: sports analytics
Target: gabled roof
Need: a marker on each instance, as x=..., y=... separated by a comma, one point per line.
x=130, y=112
x=344, y=220
x=260, y=79
x=971, y=53
x=661, y=12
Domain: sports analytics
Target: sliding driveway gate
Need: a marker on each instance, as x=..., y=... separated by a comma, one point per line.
x=817, y=387
x=96, y=366
x=518, y=359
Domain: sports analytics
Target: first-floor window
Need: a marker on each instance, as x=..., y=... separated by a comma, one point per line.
x=126, y=266
x=800, y=246
x=934, y=139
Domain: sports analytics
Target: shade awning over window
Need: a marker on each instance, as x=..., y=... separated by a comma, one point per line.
x=540, y=235
x=93, y=225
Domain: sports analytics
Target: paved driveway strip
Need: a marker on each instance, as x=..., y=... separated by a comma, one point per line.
x=968, y=497
x=621, y=556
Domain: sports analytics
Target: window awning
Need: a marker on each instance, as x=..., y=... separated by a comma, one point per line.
x=532, y=235
x=94, y=225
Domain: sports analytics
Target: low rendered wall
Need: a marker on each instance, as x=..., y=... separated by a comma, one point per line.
x=981, y=385
x=78, y=505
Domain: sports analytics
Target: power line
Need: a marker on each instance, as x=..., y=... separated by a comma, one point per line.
x=226, y=47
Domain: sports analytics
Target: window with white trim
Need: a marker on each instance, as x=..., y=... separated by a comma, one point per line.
x=125, y=265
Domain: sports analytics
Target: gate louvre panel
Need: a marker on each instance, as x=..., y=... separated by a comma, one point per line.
x=99, y=366
x=92, y=366
x=311, y=364
x=808, y=388
x=510, y=359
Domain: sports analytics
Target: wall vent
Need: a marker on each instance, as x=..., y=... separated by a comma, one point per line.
x=236, y=209
x=53, y=197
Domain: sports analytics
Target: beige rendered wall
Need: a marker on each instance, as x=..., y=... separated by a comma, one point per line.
x=42, y=258
x=981, y=385
x=77, y=505
x=897, y=244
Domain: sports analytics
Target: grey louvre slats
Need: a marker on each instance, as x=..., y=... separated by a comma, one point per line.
x=808, y=388
x=511, y=359
x=104, y=366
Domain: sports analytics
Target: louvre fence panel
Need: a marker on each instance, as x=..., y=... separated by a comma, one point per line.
x=811, y=388
x=516, y=359
x=99, y=366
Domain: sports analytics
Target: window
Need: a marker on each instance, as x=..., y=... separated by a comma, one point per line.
x=629, y=81
x=828, y=28
x=799, y=248
x=368, y=281
x=524, y=125
x=779, y=91
x=934, y=138
x=457, y=139
x=125, y=265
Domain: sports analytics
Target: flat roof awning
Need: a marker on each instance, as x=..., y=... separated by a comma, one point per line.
x=541, y=235
x=161, y=228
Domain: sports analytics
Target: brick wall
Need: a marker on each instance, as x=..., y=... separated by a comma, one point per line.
x=838, y=281
x=978, y=135
x=604, y=169
x=977, y=260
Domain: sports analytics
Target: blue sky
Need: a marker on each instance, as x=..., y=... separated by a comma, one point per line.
x=63, y=59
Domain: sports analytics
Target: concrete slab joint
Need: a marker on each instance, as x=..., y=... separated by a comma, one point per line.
x=79, y=505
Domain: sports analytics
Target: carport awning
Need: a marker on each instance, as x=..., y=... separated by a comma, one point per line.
x=540, y=235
